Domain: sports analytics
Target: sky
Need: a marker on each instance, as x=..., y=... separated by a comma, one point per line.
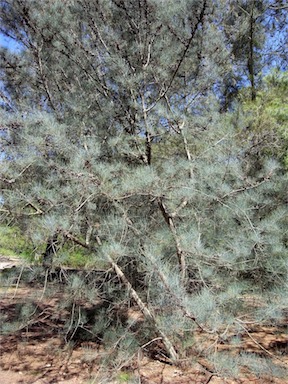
x=6, y=42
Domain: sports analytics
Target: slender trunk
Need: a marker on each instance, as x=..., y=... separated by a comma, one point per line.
x=251, y=64
x=180, y=254
x=148, y=148
x=146, y=312
x=50, y=251
x=142, y=306
x=186, y=147
x=148, y=140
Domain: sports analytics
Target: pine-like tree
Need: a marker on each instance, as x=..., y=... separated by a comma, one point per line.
x=112, y=140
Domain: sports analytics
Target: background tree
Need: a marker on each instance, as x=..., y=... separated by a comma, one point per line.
x=256, y=33
x=266, y=119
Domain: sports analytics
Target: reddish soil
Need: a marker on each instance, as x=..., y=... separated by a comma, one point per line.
x=37, y=353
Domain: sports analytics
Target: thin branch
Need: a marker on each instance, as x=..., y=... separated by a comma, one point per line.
x=261, y=346
x=177, y=299
x=148, y=57
x=178, y=209
x=18, y=281
x=182, y=58
x=276, y=8
x=74, y=239
x=45, y=284
x=188, y=154
x=44, y=79
x=150, y=342
x=142, y=306
x=104, y=92
x=199, y=21
x=147, y=134
x=38, y=211
x=84, y=202
x=180, y=254
x=248, y=187
x=144, y=309
x=11, y=181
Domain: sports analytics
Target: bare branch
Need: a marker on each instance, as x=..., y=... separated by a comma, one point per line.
x=180, y=253
x=144, y=309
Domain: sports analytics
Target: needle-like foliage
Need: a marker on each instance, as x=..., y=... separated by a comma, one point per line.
x=114, y=139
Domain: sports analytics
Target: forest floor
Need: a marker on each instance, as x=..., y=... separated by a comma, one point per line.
x=37, y=353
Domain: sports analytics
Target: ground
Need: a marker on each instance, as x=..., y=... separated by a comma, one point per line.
x=37, y=353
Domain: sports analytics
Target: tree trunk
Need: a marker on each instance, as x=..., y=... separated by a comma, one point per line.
x=50, y=251
x=144, y=309
x=251, y=64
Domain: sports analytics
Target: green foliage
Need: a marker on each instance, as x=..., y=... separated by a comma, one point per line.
x=267, y=118
x=14, y=243
x=226, y=365
x=75, y=257
x=117, y=143
x=262, y=366
x=124, y=377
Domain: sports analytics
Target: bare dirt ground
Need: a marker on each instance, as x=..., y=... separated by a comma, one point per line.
x=38, y=354
x=8, y=262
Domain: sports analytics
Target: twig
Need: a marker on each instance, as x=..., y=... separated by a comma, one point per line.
x=148, y=57
x=209, y=378
x=45, y=284
x=248, y=187
x=11, y=181
x=18, y=281
x=261, y=346
x=178, y=300
x=180, y=254
x=78, y=323
x=71, y=322
x=150, y=342
x=182, y=205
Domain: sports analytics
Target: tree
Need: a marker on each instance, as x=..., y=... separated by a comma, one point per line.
x=97, y=98
x=266, y=120
x=246, y=35
x=256, y=34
